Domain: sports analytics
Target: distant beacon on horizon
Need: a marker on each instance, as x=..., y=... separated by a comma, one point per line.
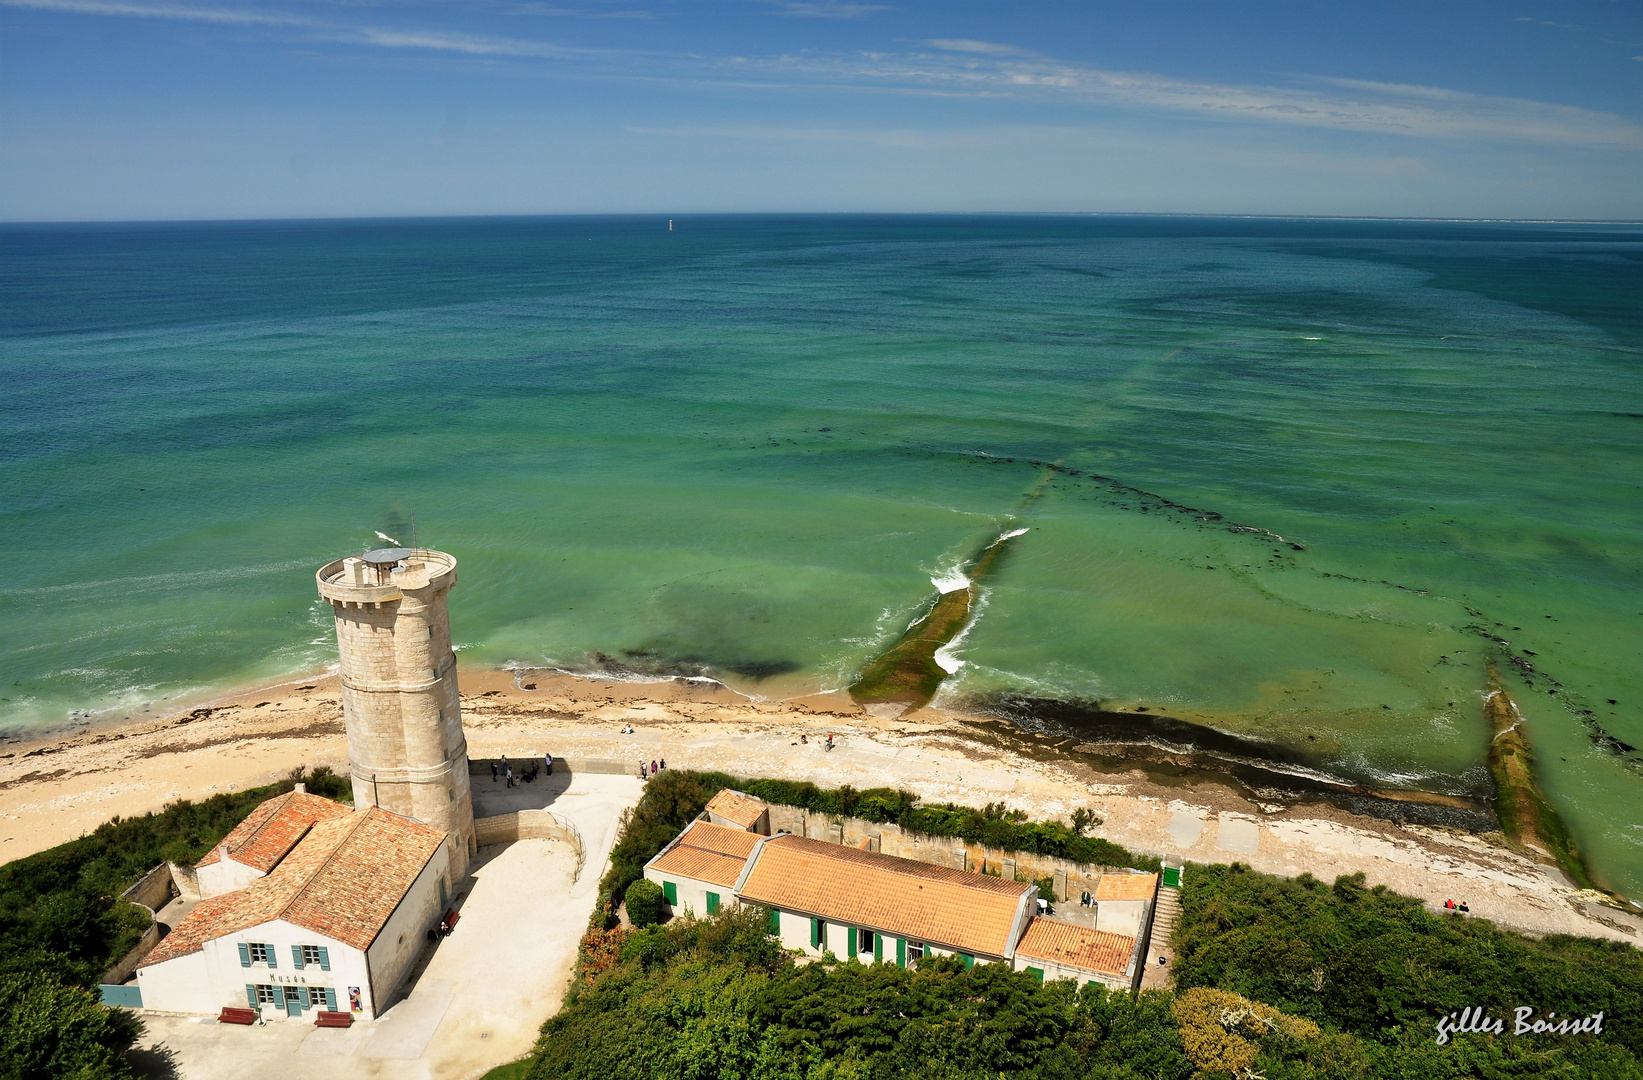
x=400, y=705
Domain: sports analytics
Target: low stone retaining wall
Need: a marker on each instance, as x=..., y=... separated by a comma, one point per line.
x=531, y=825
x=572, y=766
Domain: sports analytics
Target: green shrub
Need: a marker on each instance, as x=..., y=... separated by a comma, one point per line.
x=50, y=1030
x=646, y=904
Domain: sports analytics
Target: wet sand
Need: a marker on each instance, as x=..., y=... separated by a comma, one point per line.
x=56, y=789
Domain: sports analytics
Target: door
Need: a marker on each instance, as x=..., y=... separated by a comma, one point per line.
x=293, y=1001
x=1172, y=876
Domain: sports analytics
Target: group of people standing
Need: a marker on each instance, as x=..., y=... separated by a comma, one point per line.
x=654, y=769
x=501, y=770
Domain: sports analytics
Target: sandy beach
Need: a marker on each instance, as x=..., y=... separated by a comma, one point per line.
x=61, y=787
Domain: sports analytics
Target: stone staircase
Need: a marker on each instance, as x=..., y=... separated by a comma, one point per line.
x=1165, y=913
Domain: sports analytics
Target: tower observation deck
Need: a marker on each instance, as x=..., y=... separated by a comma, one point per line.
x=406, y=749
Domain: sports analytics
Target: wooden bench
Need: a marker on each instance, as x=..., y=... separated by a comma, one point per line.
x=231, y=1015
x=452, y=917
x=325, y=1018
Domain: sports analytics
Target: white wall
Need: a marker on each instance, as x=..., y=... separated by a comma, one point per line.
x=692, y=893
x=225, y=876
x=406, y=933
x=1121, y=916
x=1058, y=971
x=205, y=981
x=795, y=934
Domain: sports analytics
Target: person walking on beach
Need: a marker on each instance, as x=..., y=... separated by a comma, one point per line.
x=511, y=782
x=664, y=763
x=547, y=761
x=653, y=769
x=642, y=774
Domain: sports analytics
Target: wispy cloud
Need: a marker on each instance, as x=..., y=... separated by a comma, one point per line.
x=1355, y=105
x=177, y=12
x=826, y=9
x=962, y=67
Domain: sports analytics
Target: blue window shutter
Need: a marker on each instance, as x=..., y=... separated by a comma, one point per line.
x=324, y=958
x=245, y=956
x=296, y=956
x=273, y=957
x=331, y=999
x=250, y=992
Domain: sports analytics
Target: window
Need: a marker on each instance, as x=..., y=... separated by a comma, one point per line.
x=1037, y=973
x=319, y=997
x=712, y=903
x=864, y=941
x=915, y=951
x=267, y=995
x=818, y=933
x=317, y=955
x=670, y=892
x=257, y=952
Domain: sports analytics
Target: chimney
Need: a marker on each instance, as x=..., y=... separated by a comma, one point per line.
x=302, y=789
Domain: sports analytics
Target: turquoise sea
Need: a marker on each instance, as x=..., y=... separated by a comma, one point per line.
x=1308, y=478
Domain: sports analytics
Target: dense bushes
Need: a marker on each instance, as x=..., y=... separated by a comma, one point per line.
x=52, y=1031
x=645, y=903
x=1379, y=965
x=719, y=999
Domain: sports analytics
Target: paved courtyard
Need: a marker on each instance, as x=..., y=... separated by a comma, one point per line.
x=480, y=997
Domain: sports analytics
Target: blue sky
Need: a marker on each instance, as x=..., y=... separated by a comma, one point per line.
x=135, y=109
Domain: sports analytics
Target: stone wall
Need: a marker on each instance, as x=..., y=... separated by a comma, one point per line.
x=1071, y=878
x=532, y=825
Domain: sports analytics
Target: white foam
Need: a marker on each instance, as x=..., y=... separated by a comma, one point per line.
x=950, y=581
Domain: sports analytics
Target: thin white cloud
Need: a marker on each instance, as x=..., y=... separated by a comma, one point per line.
x=466, y=44
x=177, y=12
x=826, y=9
x=1344, y=104
x=965, y=45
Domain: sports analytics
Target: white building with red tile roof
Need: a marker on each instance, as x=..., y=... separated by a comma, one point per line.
x=867, y=906
x=336, y=908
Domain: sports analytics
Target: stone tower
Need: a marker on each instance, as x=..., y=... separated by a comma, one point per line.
x=406, y=749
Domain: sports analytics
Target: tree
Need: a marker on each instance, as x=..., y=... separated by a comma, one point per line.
x=645, y=903
x=50, y=1030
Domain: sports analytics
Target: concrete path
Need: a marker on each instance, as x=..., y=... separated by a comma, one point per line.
x=481, y=996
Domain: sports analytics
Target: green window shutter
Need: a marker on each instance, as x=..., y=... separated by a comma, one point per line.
x=712, y=903
x=296, y=956
x=850, y=943
x=815, y=933
x=330, y=999
x=245, y=955
x=324, y=958
x=1037, y=973
x=670, y=892
x=969, y=961
x=878, y=947
x=250, y=992
x=901, y=952
x=775, y=921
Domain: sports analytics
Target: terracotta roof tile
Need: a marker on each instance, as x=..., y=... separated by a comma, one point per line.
x=708, y=852
x=343, y=879
x=969, y=912
x=1056, y=942
x=737, y=807
x=1126, y=887
x=270, y=831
